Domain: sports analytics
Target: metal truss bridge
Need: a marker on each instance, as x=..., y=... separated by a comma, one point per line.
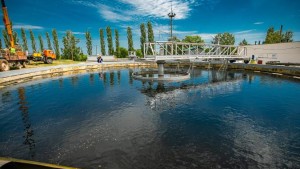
x=163, y=51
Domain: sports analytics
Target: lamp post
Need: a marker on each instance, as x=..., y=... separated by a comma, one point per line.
x=171, y=16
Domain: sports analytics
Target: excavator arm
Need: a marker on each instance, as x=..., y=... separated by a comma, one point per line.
x=7, y=24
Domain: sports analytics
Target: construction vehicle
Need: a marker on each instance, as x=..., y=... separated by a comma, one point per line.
x=14, y=55
x=47, y=56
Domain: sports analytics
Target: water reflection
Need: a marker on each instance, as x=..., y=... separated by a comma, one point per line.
x=92, y=78
x=130, y=76
x=74, y=81
x=212, y=120
x=61, y=82
x=251, y=78
x=6, y=97
x=112, y=78
x=162, y=97
x=103, y=75
x=119, y=76
x=26, y=122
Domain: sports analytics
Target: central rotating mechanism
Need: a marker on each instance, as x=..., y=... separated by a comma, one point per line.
x=160, y=75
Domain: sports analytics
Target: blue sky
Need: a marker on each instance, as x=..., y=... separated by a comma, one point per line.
x=247, y=19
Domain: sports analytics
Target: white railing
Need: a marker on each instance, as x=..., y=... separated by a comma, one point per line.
x=161, y=50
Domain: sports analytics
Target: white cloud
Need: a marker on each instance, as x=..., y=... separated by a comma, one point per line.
x=184, y=32
x=165, y=29
x=108, y=13
x=243, y=32
x=258, y=23
x=160, y=8
x=78, y=33
x=25, y=26
x=206, y=36
x=141, y=8
x=161, y=32
x=250, y=37
x=112, y=14
x=74, y=33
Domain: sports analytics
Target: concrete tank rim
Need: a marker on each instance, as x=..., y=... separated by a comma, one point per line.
x=184, y=76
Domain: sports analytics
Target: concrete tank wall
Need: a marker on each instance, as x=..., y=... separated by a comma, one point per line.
x=283, y=52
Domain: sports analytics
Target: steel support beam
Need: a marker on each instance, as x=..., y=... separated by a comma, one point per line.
x=161, y=69
x=192, y=51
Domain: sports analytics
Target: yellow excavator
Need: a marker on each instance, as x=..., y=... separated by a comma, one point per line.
x=14, y=55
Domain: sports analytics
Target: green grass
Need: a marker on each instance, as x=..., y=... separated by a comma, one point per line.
x=55, y=63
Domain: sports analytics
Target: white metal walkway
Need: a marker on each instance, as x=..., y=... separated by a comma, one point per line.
x=162, y=50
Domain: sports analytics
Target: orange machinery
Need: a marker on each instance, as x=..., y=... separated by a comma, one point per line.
x=47, y=56
x=14, y=55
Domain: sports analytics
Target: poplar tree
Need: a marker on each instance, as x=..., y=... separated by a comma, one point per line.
x=269, y=36
x=66, y=53
x=150, y=32
x=48, y=41
x=16, y=38
x=0, y=43
x=89, y=42
x=6, y=38
x=244, y=42
x=224, y=39
x=150, y=35
x=70, y=48
x=278, y=36
x=23, y=34
x=288, y=37
x=33, y=44
x=117, y=43
x=109, y=41
x=56, y=44
x=143, y=37
x=15, y=34
x=41, y=43
x=102, y=42
x=129, y=37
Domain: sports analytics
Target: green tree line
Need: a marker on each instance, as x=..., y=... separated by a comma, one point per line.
x=278, y=36
x=71, y=50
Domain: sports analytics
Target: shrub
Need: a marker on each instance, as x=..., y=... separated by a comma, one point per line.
x=80, y=57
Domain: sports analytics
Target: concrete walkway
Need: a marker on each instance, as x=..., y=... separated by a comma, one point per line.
x=25, y=71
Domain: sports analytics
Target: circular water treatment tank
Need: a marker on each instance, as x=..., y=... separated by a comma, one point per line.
x=153, y=76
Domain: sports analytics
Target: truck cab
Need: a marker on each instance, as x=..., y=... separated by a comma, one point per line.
x=49, y=54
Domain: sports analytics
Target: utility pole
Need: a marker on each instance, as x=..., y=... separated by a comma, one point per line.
x=280, y=32
x=171, y=16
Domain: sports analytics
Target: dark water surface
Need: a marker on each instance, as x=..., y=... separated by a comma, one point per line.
x=109, y=120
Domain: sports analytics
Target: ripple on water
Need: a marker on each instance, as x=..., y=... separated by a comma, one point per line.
x=107, y=119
